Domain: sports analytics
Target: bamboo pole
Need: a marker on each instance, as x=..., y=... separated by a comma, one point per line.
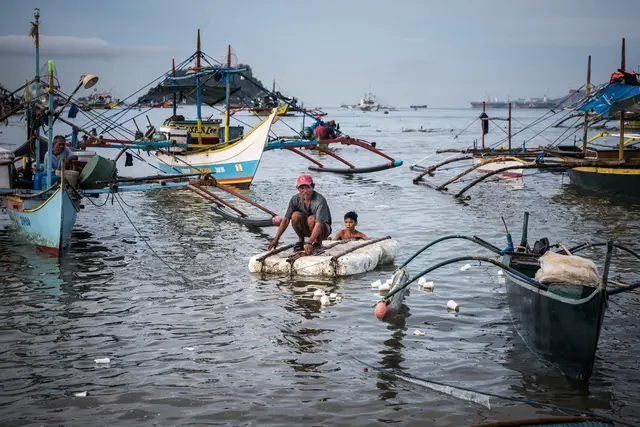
x=482, y=122
x=509, y=131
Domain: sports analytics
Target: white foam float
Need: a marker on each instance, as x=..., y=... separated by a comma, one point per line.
x=336, y=258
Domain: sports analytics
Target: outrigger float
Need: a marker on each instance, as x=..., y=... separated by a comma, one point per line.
x=557, y=300
x=333, y=259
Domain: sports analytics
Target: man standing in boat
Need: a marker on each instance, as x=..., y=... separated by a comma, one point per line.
x=309, y=213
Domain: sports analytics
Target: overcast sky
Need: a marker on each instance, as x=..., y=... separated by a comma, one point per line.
x=442, y=53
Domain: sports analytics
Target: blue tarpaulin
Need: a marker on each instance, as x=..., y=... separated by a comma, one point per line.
x=601, y=102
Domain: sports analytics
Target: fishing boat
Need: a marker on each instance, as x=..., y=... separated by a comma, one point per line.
x=281, y=110
x=557, y=300
x=98, y=101
x=619, y=171
x=418, y=107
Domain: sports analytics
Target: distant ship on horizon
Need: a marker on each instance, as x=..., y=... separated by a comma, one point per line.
x=539, y=103
x=416, y=107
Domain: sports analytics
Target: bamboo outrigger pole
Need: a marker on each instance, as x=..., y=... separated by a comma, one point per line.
x=622, y=112
x=586, y=113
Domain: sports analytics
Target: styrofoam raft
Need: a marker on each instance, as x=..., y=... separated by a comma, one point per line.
x=359, y=261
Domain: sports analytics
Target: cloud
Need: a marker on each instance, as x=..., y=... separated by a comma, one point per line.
x=73, y=47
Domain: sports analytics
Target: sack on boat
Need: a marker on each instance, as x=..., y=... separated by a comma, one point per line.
x=574, y=270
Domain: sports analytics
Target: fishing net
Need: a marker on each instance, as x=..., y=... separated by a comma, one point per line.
x=567, y=269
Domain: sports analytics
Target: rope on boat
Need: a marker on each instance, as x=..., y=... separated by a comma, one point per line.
x=117, y=197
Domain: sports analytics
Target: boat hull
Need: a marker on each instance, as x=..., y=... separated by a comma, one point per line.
x=234, y=164
x=619, y=181
x=559, y=329
x=45, y=222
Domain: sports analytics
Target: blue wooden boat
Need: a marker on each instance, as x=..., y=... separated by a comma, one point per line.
x=47, y=219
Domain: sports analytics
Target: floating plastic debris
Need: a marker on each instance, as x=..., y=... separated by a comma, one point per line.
x=418, y=333
x=333, y=296
x=189, y=348
x=376, y=284
x=500, y=273
x=424, y=285
x=324, y=300
x=102, y=360
x=453, y=306
x=318, y=293
x=338, y=298
x=465, y=267
x=384, y=287
x=81, y=394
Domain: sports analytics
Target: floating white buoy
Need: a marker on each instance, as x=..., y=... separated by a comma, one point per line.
x=384, y=287
x=333, y=296
x=102, y=360
x=418, y=333
x=318, y=293
x=81, y=394
x=500, y=273
x=324, y=300
x=376, y=284
x=465, y=267
x=427, y=286
x=453, y=306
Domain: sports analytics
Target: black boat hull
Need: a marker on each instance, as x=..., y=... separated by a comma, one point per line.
x=619, y=181
x=561, y=330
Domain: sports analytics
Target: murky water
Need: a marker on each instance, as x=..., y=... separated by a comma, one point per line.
x=159, y=285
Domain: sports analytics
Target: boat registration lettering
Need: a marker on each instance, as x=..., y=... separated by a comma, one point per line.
x=198, y=170
x=220, y=170
x=25, y=221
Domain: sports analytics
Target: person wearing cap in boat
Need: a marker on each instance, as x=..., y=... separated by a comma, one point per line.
x=309, y=213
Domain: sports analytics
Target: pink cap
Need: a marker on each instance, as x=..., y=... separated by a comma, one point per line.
x=304, y=180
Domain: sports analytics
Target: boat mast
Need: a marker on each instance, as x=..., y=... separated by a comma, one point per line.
x=50, y=141
x=198, y=90
x=509, y=123
x=36, y=36
x=622, y=112
x=586, y=113
x=484, y=108
x=173, y=71
x=227, y=95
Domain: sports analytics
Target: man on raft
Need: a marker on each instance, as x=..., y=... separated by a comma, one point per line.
x=310, y=215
